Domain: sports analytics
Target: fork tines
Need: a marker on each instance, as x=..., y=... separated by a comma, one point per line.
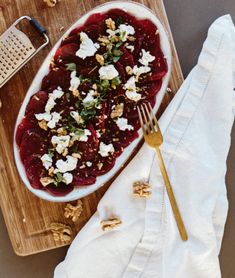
x=147, y=118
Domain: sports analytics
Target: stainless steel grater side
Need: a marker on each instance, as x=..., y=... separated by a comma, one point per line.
x=16, y=49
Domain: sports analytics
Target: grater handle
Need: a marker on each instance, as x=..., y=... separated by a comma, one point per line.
x=37, y=26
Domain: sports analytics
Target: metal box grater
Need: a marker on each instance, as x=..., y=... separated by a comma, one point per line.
x=16, y=49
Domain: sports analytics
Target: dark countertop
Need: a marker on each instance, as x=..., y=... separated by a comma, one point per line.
x=189, y=22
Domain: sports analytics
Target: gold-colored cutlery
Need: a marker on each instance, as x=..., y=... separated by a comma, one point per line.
x=154, y=139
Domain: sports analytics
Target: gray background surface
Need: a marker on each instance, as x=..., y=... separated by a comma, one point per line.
x=189, y=22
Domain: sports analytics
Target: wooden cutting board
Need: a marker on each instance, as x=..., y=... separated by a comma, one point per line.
x=27, y=217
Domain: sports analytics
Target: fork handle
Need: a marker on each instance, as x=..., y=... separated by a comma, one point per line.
x=178, y=218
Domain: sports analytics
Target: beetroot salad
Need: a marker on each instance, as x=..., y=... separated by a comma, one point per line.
x=85, y=113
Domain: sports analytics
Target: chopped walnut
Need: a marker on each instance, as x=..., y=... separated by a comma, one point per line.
x=141, y=189
x=61, y=131
x=99, y=59
x=51, y=171
x=103, y=40
x=76, y=93
x=46, y=180
x=61, y=232
x=94, y=86
x=169, y=90
x=157, y=32
x=131, y=38
x=100, y=165
x=117, y=111
x=110, y=24
x=65, y=152
x=43, y=124
x=71, y=142
x=76, y=155
x=73, y=212
x=50, y=3
x=110, y=223
x=129, y=70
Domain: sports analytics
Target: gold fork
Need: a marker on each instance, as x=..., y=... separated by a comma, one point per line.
x=153, y=138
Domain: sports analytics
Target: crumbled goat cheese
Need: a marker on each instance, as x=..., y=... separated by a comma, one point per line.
x=87, y=47
x=68, y=178
x=57, y=93
x=130, y=47
x=74, y=81
x=55, y=117
x=126, y=30
x=108, y=72
x=61, y=142
x=89, y=164
x=46, y=161
x=43, y=116
x=146, y=58
x=50, y=104
x=104, y=149
x=133, y=95
x=140, y=70
x=111, y=32
x=67, y=165
x=77, y=117
x=130, y=87
x=123, y=124
x=84, y=137
x=89, y=98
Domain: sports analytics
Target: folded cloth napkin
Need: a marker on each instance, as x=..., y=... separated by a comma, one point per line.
x=196, y=128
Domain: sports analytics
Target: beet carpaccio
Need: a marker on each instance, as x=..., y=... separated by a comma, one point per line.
x=85, y=114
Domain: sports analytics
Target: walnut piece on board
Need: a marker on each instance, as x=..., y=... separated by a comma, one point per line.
x=73, y=212
x=61, y=232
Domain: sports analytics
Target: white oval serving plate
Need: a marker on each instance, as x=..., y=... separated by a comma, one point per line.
x=138, y=10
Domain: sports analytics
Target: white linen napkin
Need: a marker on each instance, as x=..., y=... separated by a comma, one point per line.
x=196, y=128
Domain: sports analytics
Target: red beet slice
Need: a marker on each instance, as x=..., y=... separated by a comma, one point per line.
x=108, y=164
x=73, y=39
x=94, y=18
x=28, y=122
x=127, y=58
x=80, y=180
x=120, y=15
x=34, y=172
x=37, y=103
x=89, y=148
x=119, y=67
x=32, y=143
x=66, y=52
x=60, y=77
x=61, y=190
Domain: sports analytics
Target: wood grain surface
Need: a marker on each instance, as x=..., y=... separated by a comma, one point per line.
x=26, y=216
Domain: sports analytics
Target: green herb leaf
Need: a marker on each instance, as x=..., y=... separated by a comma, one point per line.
x=116, y=81
x=103, y=86
x=71, y=66
x=58, y=178
x=51, y=152
x=117, y=52
x=119, y=21
x=122, y=35
x=84, y=79
x=119, y=44
x=67, y=95
x=87, y=113
x=116, y=58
